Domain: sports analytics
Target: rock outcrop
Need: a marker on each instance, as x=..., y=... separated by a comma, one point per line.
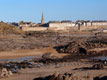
x=101, y=78
x=91, y=46
x=65, y=76
x=5, y=73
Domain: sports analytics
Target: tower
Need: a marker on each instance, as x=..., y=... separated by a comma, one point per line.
x=42, y=21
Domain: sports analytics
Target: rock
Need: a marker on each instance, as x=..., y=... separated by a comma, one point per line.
x=66, y=77
x=100, y=78
x=10, y=73
x=60, y=77
x=46, y=56
x=98, y=66
x=56, y=74
x=52, y=78
x=83, y=47
x=4, y=73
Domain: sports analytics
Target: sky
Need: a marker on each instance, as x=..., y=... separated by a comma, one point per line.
x=54, y=10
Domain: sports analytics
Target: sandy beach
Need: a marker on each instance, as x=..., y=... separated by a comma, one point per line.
x=25, y=53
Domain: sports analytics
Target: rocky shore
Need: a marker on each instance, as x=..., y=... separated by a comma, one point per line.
x=42, y=68
x=65, y=54
x=73, y=43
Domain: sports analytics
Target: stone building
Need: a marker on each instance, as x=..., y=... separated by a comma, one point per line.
x=61, y=25
x=99, y=23
x=95, y=23
x=26, y=24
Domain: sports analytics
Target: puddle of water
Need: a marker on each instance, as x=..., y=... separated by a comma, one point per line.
x=28, y=58
x=100, y=58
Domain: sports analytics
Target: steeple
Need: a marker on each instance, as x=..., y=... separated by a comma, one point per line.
x=43, y=20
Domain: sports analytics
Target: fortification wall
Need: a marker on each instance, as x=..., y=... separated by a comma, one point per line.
x=34, y=28
x=63, y=28
x=96, y=24
x=99, y=24
x=59, y=25
x=93, y=28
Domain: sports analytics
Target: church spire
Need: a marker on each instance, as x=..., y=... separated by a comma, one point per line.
x=43, y=20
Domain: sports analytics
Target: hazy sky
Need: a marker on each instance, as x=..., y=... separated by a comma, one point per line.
x=31, y=10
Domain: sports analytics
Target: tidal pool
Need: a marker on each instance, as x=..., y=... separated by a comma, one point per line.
x=100, y=58
x=20, y=59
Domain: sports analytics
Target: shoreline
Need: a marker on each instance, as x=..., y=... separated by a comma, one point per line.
x=26, y=52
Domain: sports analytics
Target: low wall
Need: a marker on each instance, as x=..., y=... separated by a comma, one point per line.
x=95, y=24
x=63, y=28
x=34, y=28
x=82, y=28
x=93, y=27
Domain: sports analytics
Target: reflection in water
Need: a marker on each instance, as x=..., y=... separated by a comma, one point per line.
x=100, y=58
x=28, y=58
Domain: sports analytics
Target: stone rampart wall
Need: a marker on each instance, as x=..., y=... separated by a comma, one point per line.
x=34, y=28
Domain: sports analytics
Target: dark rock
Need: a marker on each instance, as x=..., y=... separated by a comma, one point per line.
x=82, y=47
x=101, y=78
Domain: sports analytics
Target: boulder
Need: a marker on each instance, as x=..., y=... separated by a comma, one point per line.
x=6, y=73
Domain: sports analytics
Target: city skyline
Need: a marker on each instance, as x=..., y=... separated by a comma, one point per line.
x=31, y=10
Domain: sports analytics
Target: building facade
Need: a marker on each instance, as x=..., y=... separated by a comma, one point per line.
x=61, y=25
x=26, y=24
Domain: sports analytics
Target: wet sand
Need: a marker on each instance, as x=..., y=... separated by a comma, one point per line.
x=65, y=67
x=25, y=53
x=75, y=67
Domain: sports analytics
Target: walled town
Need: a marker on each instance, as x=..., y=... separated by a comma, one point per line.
x=57, y=50
x=65, y=25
